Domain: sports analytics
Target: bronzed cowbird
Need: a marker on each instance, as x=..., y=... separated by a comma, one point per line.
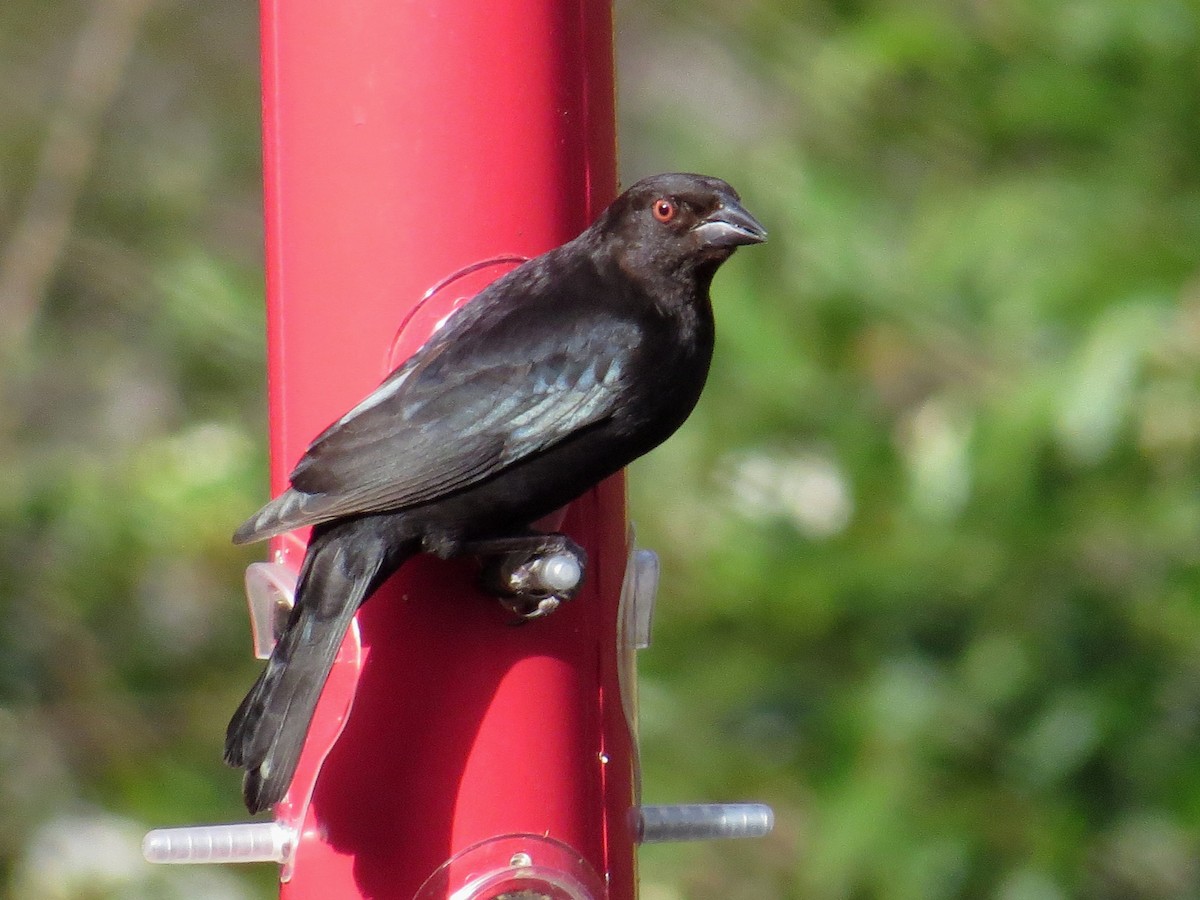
x=551, y=379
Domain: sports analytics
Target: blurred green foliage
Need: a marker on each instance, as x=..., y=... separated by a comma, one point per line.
x=930, y=542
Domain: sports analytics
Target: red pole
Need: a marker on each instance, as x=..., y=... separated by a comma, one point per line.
x=404, y=142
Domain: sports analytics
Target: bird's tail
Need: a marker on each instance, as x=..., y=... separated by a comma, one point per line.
x=343, y=567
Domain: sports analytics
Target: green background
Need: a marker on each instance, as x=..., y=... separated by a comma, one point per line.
x=930, y=541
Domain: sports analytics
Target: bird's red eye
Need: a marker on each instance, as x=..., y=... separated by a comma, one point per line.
x=663, y=209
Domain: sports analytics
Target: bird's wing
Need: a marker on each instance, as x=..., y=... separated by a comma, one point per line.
x=469, y=404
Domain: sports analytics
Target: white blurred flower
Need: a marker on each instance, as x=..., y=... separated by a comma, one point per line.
x=1097, y=396
x=935, y=443
x=207, y=453
x=72, y=854
x=807, y=489
x=98, y=855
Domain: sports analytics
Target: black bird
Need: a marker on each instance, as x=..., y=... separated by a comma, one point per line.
x=554, y=377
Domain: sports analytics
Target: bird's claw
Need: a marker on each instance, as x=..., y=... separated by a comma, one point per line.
x=527, y=608
x=534, y=582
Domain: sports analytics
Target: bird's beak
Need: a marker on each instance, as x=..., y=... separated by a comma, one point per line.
x=730, y=225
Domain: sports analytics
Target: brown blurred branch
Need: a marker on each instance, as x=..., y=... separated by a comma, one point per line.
x=30, y=258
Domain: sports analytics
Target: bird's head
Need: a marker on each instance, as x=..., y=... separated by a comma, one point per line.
x=679, y=223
